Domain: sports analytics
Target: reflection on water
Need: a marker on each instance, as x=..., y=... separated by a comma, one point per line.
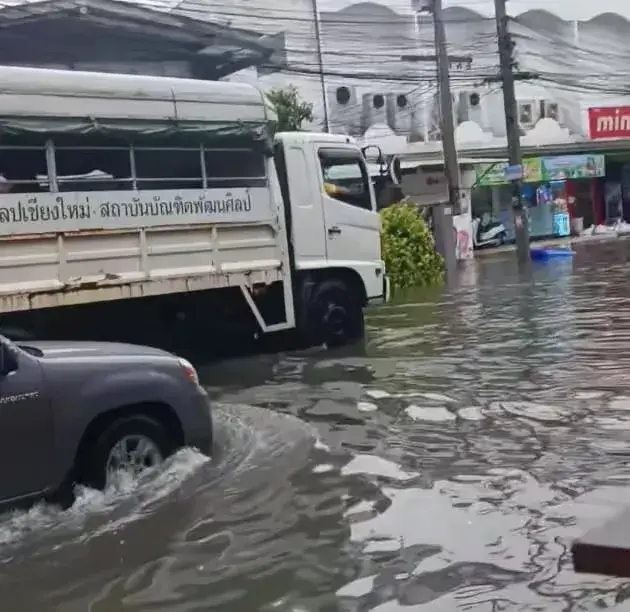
x=446, y=465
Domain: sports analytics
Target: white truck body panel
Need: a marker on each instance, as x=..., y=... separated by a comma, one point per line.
x=137, y=256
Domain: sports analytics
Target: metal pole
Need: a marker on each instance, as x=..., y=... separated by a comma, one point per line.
x=320, y=61
x=443, y=215
x=521, y=224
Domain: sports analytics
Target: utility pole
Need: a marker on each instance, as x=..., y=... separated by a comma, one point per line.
x=320, y=61
x=506, y=64
x=447, y=125
x=443, y=213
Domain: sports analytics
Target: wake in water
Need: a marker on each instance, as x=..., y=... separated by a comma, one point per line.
x=248, y=440
x=133, y=496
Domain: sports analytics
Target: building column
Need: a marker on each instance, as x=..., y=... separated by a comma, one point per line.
x=597, y=201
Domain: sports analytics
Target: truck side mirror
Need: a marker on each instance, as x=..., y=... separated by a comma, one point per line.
x=8, y=358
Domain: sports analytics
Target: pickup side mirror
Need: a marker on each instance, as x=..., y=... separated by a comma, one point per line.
x=8, y=358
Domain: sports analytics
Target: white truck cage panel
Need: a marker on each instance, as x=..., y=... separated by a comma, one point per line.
x=65, y=94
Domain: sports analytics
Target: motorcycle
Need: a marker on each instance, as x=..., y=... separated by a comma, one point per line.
x=488, y=233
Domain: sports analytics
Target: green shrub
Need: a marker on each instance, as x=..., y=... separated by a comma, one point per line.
x=408, y=249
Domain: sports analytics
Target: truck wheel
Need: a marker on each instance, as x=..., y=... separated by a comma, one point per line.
x=131, y=444
x=333, y=316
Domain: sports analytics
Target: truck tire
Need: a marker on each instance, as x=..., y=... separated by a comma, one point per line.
x=333, y=315
x=147, y=445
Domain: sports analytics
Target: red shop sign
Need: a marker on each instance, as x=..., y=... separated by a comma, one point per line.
x=609, y=122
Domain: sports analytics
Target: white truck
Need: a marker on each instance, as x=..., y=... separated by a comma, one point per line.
x=129, y=202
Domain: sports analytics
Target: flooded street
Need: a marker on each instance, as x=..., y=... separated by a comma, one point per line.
x=447, y=465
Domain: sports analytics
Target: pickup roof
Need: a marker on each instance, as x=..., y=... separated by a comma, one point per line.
x=83, y=412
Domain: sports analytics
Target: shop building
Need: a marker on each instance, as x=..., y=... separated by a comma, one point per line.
x=567, y=184
x=557, y=189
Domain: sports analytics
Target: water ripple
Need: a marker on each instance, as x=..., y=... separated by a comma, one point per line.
x=445, y=465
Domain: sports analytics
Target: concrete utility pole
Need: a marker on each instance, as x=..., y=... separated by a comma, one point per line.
x=506, y=62
x=443, y=215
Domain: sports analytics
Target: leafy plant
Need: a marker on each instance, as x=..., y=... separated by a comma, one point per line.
x=408, y=249
x=292, y=111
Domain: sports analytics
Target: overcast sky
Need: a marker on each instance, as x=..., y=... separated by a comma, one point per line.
x=567, y=9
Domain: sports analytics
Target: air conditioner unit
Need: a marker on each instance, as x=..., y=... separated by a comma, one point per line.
x=399, y=113
x=526, y=115
x=552, y=111
x=373, y=109
x=343, y=95
x=468, y=107
x=344, y=109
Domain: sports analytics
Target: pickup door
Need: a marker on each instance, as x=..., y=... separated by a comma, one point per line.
x=26, y=431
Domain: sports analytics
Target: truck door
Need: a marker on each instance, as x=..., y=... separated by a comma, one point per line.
x=352, y=224
x=26, y=431
x=307, y=219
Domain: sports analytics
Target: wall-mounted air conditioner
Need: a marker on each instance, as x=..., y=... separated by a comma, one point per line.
x=526, y=117
x=400, y=111
x=552, y=110
x=373, y=109
x=344, y=109
x=468, y=107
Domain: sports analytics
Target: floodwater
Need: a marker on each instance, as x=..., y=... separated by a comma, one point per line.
x=447, y=465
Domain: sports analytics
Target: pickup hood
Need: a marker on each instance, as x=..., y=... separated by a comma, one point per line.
x=79, y=350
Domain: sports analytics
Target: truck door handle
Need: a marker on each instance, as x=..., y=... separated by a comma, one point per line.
x=333, y=230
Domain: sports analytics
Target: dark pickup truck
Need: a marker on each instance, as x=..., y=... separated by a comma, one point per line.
x=83, y=412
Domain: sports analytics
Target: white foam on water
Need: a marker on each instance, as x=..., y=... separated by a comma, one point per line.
x=434, y=414
x=377, y=394
x=471, y=413
x=530, y=410
x=358, y=588
x=367, y=407
x=319, y=445
x=589, y=395
x=437, y=397
x=323, y=468
x=375, y=466
x=50, y=520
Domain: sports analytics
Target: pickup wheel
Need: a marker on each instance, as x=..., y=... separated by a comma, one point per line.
x=333, y=315
x=131, y=444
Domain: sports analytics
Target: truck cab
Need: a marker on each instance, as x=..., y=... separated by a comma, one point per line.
x=334, y=223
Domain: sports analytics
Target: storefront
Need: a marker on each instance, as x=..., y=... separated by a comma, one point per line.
x=556, y=189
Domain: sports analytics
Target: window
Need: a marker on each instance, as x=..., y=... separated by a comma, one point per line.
x=233, y=166
x=345, y=177
x=19, y=167
x=84, y=168
x=168, y=168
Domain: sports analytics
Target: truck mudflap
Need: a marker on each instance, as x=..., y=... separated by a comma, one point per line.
x=384, y=298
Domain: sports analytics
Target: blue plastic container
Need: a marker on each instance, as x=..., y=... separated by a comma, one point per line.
x=541, y=253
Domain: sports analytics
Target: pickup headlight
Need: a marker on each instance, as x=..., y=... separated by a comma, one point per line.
x=188, y=370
